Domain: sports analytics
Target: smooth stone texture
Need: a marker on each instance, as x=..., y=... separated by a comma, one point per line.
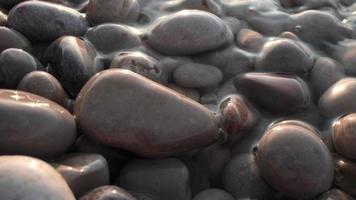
x=237, y=116
x=45, y=85
x=142, y=64
x=231, y=60
x=213, y=194
x=335, y=194
x=293, y=159
x=188, y=92
x=109, y=38
x=188, y=32
x=43, y=21
x=29, y=178
x=13, y=39
x=14, y=65
x=285, y=55
x=108, y=192
x=83, y=172
x=197, y=75
x=324, y=74
x=344, y=52
x=33, y=125
x=242, y=178
x=345, y=175
x=123, y=11
x=139, y=111
x=344, y=137
x=73, y=61
x=277, y=92
x=339, y=99
x=115, y=158
x=162, y=179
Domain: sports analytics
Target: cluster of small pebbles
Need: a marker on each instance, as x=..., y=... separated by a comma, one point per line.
x=177, y=99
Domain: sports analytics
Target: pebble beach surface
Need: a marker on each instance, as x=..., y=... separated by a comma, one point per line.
x=177, y=99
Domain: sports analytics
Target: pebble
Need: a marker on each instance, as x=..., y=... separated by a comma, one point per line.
x=285, y=55
x=43, y=21
x=34, y=126
x=73, y=61
x=213, y=194
x=162, y=178
x=115, y=158
x=277, y=92
x=212, y=160
x=343, y=136
x=83, y=172
x=339, y=98
x=236, y=116
x=197, y=75
x=24, y=177
x=242, y=178
x=13, y=39
x=335, y=194
x=302, y=160
x=130, y=113
x=324, y=74
x=45, y=85
x=3, y=18
x=345, y=175
x=14, y=65
x=108, y=192
x=110, y=38
x=142, y=64
x=118, y=11
x=174, y=35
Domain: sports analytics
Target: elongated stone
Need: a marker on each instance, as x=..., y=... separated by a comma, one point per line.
x=141, y=116
x=32, y=125
x=23, y=177
x=278, y=92
x=43, y=21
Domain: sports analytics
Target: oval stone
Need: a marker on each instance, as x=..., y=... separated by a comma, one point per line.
x=33, y=125
x=43, y=21
x=213, y=194
x=188, y=32
x=109, y=38
x=12, y=39
x=73, y=61
x=344, y=136
x=23, y=177
x=293, y=159
x=44, y=85
x=141, y=116
x=123, y=11
x=197, y=75
x=14, y=65
x=339, y=99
